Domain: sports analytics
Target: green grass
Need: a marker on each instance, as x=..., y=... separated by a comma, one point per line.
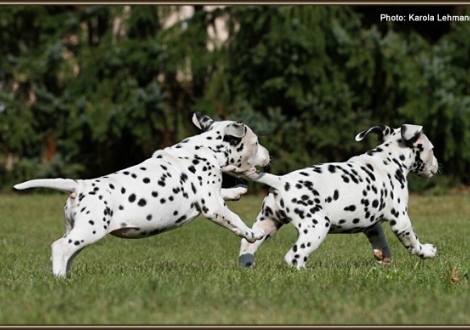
x=191, y=275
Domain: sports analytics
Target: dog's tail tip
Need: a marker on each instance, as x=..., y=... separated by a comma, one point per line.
x=67, y=185
x=20, y=186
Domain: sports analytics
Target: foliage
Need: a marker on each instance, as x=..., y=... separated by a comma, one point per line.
x=84, y=83
x=323, y=78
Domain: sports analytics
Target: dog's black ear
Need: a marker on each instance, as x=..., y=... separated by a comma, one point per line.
x=202, y=121
x=236, y=129
x=382, y=131
x=410, y=134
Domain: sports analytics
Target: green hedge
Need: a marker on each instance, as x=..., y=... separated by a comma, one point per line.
x=108, y=85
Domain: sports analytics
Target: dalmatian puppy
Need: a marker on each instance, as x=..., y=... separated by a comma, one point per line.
x=350, y=197
x=164, y=192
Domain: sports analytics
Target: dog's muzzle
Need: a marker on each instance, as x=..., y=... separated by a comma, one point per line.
x=430, y=170
x=262, y=157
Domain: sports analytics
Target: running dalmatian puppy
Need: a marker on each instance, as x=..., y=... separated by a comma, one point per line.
x=164, y=192
x=350, y=197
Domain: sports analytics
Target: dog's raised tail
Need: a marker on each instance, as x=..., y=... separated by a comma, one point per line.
x=269, y=179
x=67, y=185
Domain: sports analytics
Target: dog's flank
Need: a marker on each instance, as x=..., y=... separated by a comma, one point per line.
x=166, y=191
x=350, y=197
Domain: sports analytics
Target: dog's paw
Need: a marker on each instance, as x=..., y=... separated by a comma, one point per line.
x=254, y=235
x=258, y=234
x=382, y=257
x=427, y=251
x=247, y=260
x=234, y=193
x=237, y=192
x=295, y=260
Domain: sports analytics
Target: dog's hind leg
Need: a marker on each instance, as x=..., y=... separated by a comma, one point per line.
x=311, y=233
x=377, y=240
x=61, y=266
x=82, y=229
x=270, y=226
x=65, y=249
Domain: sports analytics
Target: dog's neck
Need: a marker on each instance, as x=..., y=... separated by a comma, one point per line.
x=403, y=161
x=206, y=143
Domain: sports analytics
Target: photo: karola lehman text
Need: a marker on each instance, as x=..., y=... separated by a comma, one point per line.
x=424, y=18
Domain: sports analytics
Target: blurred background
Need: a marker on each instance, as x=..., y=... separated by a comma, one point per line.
x=86, y=90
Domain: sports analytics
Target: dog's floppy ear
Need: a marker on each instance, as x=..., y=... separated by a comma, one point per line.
x=202, y=121
x=236, y=129
x=382, y=131
x=411, y=134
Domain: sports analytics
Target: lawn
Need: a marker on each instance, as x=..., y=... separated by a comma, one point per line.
x=191, y=276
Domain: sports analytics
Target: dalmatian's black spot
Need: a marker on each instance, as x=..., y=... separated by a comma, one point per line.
x=180, y=219
x=317, y=169
x=183, y=178
x=132, y=198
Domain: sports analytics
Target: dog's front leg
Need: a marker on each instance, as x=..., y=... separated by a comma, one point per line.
x=403, y=230
x=217, y=211
x=234, y=193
